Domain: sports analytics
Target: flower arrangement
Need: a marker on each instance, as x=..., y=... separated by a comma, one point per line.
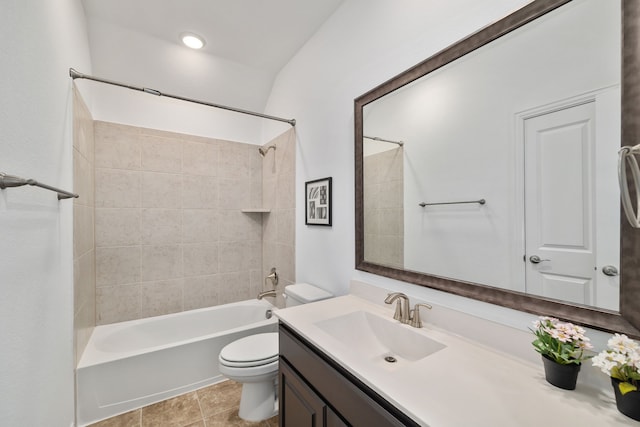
x=621, y=361
x=564, y=343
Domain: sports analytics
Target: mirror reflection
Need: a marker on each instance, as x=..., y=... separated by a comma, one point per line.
x=529, y=124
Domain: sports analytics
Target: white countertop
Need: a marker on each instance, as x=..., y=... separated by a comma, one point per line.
x=464, y=384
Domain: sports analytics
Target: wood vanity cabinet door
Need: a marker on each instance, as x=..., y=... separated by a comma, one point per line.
x=323, y=392
x=300, y=406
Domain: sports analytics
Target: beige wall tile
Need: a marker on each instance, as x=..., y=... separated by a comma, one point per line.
x=117, y=146
x=200, y=225
x=200, y=158
x=234, y=161
x=201, y=291
x=117, y=227
x=253, y=258
x=161, y=190
x=182, y=242
x=269, y=192
x=240, y=226
x=83, y=322
x=83, y=180
x=161, y=154
x=288, y=151
x=84, y=308
x=200, y=192
x=270, y=227
x=117, y=188
x=269, y=257
x=286, y=262
x=118, y=265
x=285, y=194
x=161, y=226
x=83, y=233
x=82, y=127
x=85, y=280
x=391, y=194
x=234, y=287
x=256, y=191
x=391, y=222
x=200, y=259
x=117, y=303
x=391, y=250
x=234, y=194
x=257, y=283
x=231, y=256
x=161, y=262
x=286, y=227
x=161, y=297
x=372, y=221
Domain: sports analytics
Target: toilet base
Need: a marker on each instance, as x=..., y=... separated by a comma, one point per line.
x=258, y=401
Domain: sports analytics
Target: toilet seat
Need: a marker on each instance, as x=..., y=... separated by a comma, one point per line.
x=250, y=351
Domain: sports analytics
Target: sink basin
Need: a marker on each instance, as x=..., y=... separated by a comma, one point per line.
x=370, y=336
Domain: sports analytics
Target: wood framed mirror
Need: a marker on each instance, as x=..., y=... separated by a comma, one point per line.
x=623, y=314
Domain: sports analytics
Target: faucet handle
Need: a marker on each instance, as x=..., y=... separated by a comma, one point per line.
x=415, y=318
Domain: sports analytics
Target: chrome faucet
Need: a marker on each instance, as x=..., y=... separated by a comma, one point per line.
x=402, y=308
x=269, y=293
x=403, y=314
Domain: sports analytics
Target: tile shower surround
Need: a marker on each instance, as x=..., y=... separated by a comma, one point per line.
x=169, y=233
x=84, y=289
x=384, y=208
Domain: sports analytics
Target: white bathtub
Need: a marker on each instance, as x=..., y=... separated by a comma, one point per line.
x=131, y=364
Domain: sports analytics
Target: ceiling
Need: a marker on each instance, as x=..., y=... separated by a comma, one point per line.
x=257, y=33
x=247, y=43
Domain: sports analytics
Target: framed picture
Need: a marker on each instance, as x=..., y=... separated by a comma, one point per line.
x=317, y=208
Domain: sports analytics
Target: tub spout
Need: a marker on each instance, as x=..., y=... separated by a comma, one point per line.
x=270, y=293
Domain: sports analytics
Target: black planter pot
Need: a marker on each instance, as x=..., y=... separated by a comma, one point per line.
x=562, y=376
x=628, y=404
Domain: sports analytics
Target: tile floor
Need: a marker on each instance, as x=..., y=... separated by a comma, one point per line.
x=213, y=406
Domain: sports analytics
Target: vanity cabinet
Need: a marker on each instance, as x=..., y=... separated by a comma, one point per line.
x=314, y=391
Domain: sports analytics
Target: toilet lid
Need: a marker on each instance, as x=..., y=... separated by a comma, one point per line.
x=258, y=349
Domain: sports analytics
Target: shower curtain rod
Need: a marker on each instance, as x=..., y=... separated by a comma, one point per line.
x=77, y=75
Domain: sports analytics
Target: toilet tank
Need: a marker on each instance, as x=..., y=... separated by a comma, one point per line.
x=303, y=293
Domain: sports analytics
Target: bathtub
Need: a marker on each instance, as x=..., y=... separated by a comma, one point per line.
x=131, y=364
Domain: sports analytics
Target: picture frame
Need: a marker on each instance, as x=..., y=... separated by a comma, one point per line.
x=317, y=207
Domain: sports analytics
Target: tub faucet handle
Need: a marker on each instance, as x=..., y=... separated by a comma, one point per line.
x=273, y=276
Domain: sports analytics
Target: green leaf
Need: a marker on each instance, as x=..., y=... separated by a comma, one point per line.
x=626, y=388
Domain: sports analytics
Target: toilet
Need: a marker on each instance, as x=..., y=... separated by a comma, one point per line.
x=253, y=360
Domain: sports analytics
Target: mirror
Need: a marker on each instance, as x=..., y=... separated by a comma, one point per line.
x=489, y=169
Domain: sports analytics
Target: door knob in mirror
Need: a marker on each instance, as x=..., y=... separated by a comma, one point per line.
x=536, y=259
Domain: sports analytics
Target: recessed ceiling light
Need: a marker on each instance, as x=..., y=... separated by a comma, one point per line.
x=191, y=40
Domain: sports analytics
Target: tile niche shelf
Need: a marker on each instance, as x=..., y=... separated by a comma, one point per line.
x=255, y=210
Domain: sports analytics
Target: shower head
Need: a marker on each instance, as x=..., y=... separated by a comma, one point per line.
x=263, y=150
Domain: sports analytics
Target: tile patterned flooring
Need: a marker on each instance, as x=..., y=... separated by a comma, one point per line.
x=213, y=406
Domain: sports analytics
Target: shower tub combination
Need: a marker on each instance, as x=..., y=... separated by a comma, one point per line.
x=132, y=364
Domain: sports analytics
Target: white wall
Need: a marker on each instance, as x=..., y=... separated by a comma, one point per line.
x=362, y=45
x=40, y=41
